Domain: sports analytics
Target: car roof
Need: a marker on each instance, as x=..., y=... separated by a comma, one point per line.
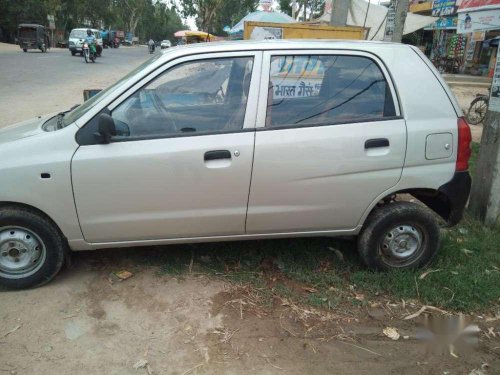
x=84, y=29
x=294, y=43
x=30, y=25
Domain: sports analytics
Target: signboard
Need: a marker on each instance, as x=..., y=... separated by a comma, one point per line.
x=444, y=23
x=264, y=33
x=297, y=77
x=478, y=21
x=390, y=23
x=469, y=52
x=478, y=36
x=442, y=8
x=471, y=4
x=495, y=87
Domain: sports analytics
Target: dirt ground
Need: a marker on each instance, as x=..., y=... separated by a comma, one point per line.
x=85, y=323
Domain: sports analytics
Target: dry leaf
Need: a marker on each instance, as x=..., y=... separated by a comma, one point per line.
x=391, y=332
x=424, y=275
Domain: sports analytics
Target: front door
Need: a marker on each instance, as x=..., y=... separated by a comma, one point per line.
x=328, y=142
x=181, y=166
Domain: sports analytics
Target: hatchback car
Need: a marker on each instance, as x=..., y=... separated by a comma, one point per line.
x=236, y=141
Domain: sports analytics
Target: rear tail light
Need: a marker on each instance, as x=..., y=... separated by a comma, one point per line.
x=463, y=151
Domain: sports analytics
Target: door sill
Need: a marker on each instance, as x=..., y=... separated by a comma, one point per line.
x=77, y=245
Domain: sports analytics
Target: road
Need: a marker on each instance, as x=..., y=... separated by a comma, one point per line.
x=36, y=83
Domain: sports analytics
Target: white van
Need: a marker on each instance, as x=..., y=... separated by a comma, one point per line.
x=76, y=38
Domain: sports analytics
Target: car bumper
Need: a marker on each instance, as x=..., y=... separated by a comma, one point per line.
x=75, y=49
x=457, y=191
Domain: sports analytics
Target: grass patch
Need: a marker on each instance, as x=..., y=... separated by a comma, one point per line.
x=308, y=271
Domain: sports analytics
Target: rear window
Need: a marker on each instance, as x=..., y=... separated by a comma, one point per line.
x=81, y=34
x=27, y=32
x=320, y=90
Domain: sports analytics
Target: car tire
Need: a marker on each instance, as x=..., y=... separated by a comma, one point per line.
x=32, y=249
x=25, y=50
x=399, y=235
x=73, y=53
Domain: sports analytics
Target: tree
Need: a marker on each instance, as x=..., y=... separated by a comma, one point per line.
x=285, y=6
x=203, y=10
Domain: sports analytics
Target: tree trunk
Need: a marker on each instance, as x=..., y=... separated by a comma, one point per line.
x=485, y=196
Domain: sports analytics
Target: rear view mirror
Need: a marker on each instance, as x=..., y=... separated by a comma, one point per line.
x=107, y=129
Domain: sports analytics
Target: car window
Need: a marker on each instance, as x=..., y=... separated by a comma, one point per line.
x=203, y=96
x=319, y=90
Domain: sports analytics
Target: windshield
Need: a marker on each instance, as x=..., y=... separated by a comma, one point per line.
x=74, y=115
x=80, y=34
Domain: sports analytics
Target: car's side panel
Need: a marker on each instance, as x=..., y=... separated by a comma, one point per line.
x=428, y=110
x=23, y=163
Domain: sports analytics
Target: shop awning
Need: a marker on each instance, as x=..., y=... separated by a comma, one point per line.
x=260, y=16
x=493, y=42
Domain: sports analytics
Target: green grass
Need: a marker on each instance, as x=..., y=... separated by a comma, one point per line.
x=468, y=262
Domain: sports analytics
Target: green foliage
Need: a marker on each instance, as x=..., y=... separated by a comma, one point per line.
x=144, y=18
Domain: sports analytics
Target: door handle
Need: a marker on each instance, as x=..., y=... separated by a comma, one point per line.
x=217, y=154
x=376, y=143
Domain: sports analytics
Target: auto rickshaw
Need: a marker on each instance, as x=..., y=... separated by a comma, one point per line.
x=32, y=36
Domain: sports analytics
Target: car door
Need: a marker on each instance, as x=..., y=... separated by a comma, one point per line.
x=180, y=165
x=329, y=140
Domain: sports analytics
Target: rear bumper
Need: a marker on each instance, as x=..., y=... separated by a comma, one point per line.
x=457, y=192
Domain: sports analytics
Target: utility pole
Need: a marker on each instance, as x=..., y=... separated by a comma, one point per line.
x=294, y=5
x=399, y=20
x=340, y=9
x=485, y=196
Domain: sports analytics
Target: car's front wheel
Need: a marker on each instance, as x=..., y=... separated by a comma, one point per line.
x=399, y=235
x=32, y=250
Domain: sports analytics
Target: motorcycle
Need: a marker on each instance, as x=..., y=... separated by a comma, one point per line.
x=151, y=48
x=88, y=54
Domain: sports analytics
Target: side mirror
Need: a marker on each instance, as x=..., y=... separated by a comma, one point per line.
x=107, y=129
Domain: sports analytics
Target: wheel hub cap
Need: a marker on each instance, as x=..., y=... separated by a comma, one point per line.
x=402, y=242
x=21, y=252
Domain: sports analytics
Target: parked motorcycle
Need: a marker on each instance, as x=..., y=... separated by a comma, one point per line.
x=88, y=53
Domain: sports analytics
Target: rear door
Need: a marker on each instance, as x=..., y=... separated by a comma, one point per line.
x=330, y=139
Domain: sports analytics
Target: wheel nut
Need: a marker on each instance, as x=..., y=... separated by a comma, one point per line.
x=12, y=244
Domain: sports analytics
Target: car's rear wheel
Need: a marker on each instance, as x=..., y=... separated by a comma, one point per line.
x=32, y=250
x=399, y=235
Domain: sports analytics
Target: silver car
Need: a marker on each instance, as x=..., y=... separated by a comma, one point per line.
x=236, y=141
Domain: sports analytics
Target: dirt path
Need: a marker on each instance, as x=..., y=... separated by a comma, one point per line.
x=84, y=324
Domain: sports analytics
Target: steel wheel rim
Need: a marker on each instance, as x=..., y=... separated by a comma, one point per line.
x=402, y=245
x=22, y=252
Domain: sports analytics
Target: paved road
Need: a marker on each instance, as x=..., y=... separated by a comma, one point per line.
x=34, y=83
